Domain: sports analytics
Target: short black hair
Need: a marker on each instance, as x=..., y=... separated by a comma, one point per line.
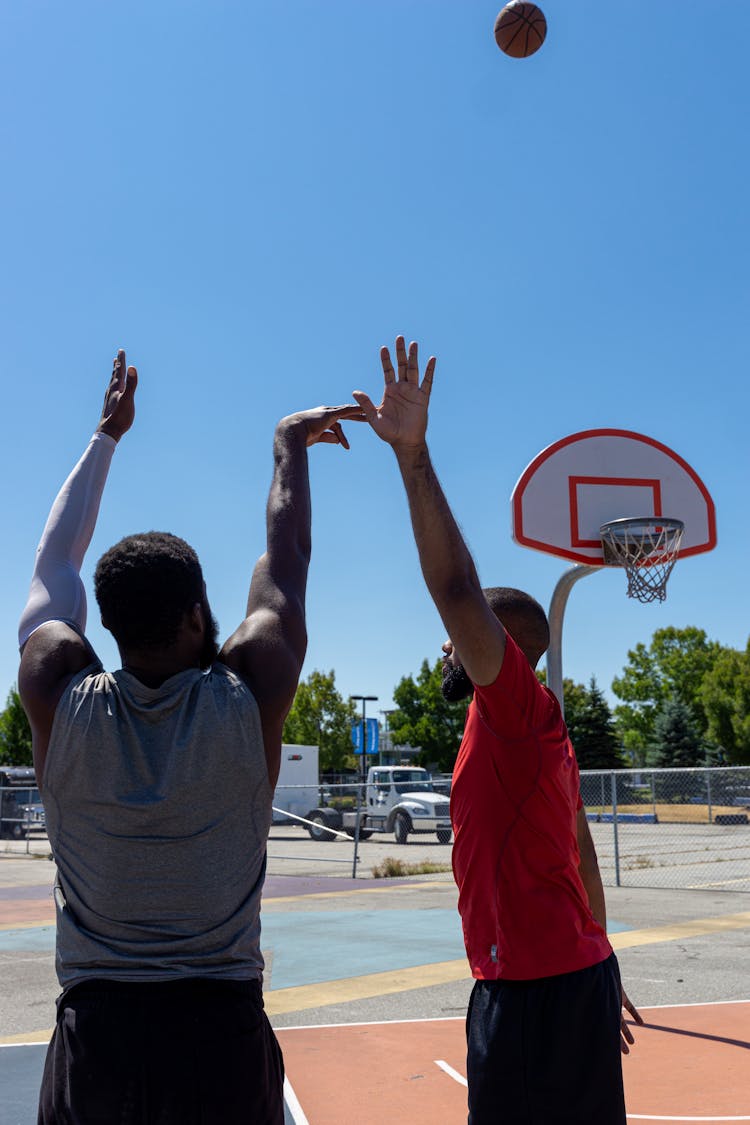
x=522, y=617
x=145, y=585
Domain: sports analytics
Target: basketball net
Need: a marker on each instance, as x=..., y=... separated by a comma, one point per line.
x=647, y=549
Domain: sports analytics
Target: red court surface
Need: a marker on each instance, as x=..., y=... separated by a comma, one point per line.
x=689, y=1063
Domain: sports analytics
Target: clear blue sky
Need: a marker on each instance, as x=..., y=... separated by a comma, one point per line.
x=253, y=197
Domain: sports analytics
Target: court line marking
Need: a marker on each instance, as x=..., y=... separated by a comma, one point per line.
x=301, y=997
x=718, y=883
x=673, y=931
x=451, y=1072
x=462, y=1019
x=266, y=902
x=292, y=1104
x=661, y=1117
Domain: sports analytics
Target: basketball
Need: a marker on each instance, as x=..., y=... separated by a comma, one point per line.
x=520, y=29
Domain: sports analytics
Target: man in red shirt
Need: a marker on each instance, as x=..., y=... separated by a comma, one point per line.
x=544, y=1025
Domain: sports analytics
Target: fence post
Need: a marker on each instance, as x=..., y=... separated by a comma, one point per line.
x=614, y=825
x=653, y=795
x=355, y=856
x=708, y=787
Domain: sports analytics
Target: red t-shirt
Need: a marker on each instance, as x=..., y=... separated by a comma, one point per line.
x=514, y=801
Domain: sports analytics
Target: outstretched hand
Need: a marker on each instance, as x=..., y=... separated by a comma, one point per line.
x=118, y=412
x=322, y=424
x=401, y=418
x=626, y=1035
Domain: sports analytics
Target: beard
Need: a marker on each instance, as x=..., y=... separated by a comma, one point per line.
x=210, y=649
x=456, y=684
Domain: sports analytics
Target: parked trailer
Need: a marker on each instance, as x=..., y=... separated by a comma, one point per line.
x=297, y=790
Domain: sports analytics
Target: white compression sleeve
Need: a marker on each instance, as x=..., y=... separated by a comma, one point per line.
x=57, y=592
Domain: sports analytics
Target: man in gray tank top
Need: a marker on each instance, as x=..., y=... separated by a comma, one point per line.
x=157, y=781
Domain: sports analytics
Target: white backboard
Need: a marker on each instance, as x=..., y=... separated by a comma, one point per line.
x=580, y=482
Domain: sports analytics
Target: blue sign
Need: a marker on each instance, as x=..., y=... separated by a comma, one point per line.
x=371, y=746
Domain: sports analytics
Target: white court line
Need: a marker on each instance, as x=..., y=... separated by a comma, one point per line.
x=292, y=1104
x=451, y=1072
x=462, y=1019
x=661, y=1117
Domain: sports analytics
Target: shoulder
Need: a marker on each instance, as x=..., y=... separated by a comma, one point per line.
x=53, y=654
x=516, y=697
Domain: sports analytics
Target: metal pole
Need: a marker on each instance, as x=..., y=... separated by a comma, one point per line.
x=362, y=777
x=614, y=823
x=708, y=787
x=556, y=613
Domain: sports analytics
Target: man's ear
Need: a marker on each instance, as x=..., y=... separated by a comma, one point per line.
x=197, y=619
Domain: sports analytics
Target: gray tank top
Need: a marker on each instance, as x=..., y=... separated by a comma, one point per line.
x=158, y=808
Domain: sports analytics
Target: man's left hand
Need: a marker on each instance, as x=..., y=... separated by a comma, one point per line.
x=118, y=412
x=626, y=1035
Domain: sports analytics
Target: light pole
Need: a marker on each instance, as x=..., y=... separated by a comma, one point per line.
x=364, y=699
x=387, y=734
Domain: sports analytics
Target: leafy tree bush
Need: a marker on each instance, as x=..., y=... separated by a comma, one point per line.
x=592, y=729
x=672, y=666
x=725, y=695
x=15, y=733
x=320, y=716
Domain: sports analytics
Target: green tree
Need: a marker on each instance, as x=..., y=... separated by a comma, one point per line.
x=725, y=693
x=320, y=716
x=426, y=719
x=677, y=741
x=673, y=666
x=592, y=729
x=15, y=733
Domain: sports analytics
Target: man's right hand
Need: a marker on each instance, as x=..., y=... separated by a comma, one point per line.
x=401, y=418
x=322, y=423
x=118, y=412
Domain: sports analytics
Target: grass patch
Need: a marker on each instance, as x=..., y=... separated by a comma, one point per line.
x=391, y=868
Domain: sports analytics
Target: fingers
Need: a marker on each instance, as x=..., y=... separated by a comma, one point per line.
x=369, y=410
x=412, y=364
x=388, y=372
x=401, y=359
x=429, y=371
x=408, y=365
x=626, y=1037
x=131, y=382
x=633, y=1010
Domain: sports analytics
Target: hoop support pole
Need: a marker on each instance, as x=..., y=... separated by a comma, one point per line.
x=556, y=614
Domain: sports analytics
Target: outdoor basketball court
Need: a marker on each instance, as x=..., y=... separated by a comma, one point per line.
x=691, y=1064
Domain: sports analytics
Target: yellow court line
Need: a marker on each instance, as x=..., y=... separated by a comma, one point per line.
x=48, y=925
x=27, y=1037
x=301, y=997
x=697, y=927
x=283, y=1000
x=355, y=891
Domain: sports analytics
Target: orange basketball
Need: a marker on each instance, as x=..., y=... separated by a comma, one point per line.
x=520, y=29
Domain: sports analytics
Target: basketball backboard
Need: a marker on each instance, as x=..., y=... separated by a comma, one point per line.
x=582, y=481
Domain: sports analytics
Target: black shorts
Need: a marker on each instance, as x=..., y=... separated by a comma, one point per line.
x=547, y=1052
x=190, y=1052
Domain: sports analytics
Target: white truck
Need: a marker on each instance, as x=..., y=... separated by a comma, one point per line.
x=398, y=799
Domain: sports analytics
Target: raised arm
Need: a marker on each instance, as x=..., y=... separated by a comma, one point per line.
x=53, y=621
x=447, y=566
x=268, y=649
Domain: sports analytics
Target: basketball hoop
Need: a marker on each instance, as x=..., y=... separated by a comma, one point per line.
x=647, y=549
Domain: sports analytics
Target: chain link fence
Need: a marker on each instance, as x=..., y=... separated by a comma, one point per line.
x=675, y=828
